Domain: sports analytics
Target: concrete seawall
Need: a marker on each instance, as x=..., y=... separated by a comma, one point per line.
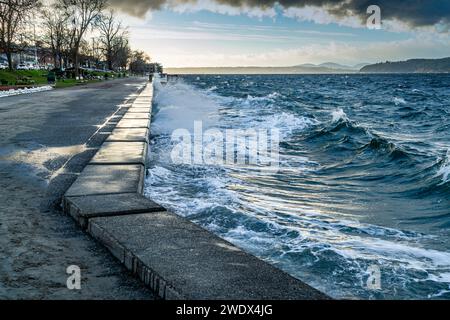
x=172, y=256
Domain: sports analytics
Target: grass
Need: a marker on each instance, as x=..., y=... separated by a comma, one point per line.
x=12, y=77
x=39, y=77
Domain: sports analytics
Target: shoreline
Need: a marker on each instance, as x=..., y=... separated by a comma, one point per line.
x=106, y=201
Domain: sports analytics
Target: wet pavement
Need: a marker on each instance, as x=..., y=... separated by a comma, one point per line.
x=46, y=139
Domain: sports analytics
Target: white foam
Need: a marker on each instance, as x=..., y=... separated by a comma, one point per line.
x=442, y=277
x=269, y=98
x=444, y=171
x=399, y=101
x=339, y=114
x=213, y=88
x=182, y=106
x=285, y=224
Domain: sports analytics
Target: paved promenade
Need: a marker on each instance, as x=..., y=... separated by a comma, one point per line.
x=46, y=139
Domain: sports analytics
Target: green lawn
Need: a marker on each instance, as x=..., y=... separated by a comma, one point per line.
x=14, y=77
x=39, y=77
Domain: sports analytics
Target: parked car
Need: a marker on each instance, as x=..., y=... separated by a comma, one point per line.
x=22, y=66
x=3, y=66
x=28, y=66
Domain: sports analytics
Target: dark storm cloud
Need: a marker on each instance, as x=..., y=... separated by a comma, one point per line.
x=416, y=13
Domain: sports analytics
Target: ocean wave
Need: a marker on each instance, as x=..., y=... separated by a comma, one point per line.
x=340, y=124
x=386, y=148
x=250, y=100
x=344, y=131
x=316, y=241
x=339, y=115
x=271, y=228
x=182, y=106
x=355, y=188
x=286, y=122
x=213, y=88
x=416, y=115
x=399, y=101
x=215, y=110
x=444, y=170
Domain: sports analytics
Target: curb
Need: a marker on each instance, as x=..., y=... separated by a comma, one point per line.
x=172, y=256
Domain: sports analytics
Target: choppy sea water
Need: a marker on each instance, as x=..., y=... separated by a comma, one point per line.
x=364, y=176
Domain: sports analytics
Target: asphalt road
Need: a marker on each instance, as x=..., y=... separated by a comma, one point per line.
x=46, y=139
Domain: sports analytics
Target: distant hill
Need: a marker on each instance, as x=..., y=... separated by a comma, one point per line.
x=410, y=66
x=335, y=66
x=360, y=65
x=307, y=65
x=307, y=68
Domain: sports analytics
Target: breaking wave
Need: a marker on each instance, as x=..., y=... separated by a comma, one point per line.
x=357, y=187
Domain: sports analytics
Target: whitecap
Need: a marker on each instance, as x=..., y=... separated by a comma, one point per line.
x=444, y=170
x=339, y=114
x=399, y=101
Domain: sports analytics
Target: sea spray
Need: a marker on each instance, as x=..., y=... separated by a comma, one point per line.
x=444, y=170
x=349, y=196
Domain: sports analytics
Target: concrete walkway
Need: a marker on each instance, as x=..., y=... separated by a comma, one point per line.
x=46, y=139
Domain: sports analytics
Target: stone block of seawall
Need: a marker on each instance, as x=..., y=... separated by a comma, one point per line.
x=108, y=179
x=179, y=260
x=129, y=135
x=83, y=208
x=133, y=123
x=143, y=100
x=121, y=153
x=147, y=91
x=137, y=115
x=141, y=105
x=147, y=110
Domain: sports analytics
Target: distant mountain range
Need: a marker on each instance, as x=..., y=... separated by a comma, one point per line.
x=409, y=66
x=334, y=66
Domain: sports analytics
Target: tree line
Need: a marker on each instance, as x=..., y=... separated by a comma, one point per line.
x=63, y=27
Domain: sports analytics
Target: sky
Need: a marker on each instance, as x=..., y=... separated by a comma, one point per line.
x=227, y=33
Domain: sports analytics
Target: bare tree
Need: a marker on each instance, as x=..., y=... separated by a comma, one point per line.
x=83, y=14
x=55, y=31
x=13, y=18
x=112, y=35
x=96, y=51
x=122, y=52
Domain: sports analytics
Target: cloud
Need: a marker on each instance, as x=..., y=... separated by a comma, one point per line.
x=422, y=45
x=227, y=32
x=413, y=13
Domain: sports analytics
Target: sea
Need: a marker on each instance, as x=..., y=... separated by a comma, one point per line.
x=359, y=206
